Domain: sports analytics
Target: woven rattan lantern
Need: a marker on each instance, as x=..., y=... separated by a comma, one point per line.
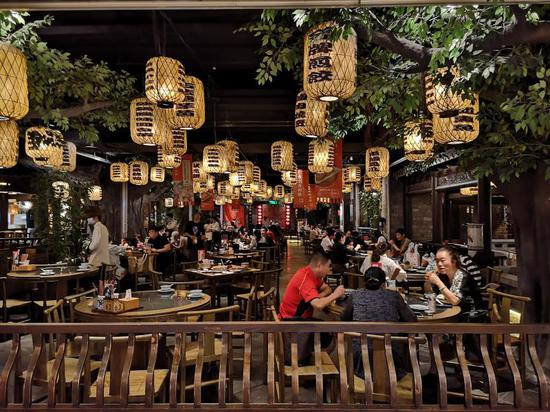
x=224, y=188
x=290, y=177
x=310, y=116
x=247, y=188
x=440, y=98
x=261, y=188
x=278, y=192
x=61, y=190
x=189, y=115
x=175, y=142
x=147, y=123
x=214, y=159
x=69, y=157
x=232, y=154
x=377, y=162
x=347, y=187
x=462, y=128
x=45, y=146
x=418, y=140
x=469, y=191
x=282, y=156
x=288, y=199
x=256, y=175
x=269, y=192
x=320, y=156
x=329, y=65
x=157, y=174
x=352, y=174
x=95, y=193
x=243, y=174
x=119, y=172
x=168, y=202
x=139, y=173
x=14, y=94
x=168, y=160
x=220, y=200
x=372, y=184
x=210, y=182
x=236, y=193
x=197, y=171
x=9, y=144
x=200, y=186
x=164, y=81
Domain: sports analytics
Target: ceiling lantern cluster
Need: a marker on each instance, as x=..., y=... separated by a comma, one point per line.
x=44, y=146
x=310, y=116
x=9, y=144
x=377, y=162
x=119, y=172
x=418, y=140
x=320, y=156
x=282, y=156
x=164, y=81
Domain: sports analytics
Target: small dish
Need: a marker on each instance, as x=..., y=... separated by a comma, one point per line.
x=418, y=307
x=166, y=291
x=194, y=296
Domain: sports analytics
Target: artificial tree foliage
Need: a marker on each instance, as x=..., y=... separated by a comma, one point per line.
x=370, y=208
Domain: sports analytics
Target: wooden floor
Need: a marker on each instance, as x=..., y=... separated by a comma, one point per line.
x=295, y=259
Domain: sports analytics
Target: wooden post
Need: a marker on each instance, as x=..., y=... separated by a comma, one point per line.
x=484, y=217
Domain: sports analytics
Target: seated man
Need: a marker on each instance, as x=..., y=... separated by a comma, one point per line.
x=161, y=245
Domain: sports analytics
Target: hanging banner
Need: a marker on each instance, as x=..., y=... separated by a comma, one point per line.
x=299, y=191
x=234, y=212
x=183, y=180
x=329, y=185
x=207, y=201
x=310, y=202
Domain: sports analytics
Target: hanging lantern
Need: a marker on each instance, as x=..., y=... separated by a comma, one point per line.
x=232, y=154
x=347, y=187
x=278, y=192
x=440, y=98
x=45, y=146
x=69, y=157
x=200, y=186
x=247, y=188
x=175, y=142
x=95, y=193
x=61, y=190
x=164, y=81
x=244, y=174
x=288, y=199
x=249, y=201
x=168, y=202
x=329, y=65
x=377, y=162
x=147, y=123
x=469, y=191
x=462, y=128
x=269, y=192
x=419, y=140
x=189, y=114
x=372, y=184
x=262, y=187
x=282, y=156
x=352, y=174
x=310, y=116
x=210, y=182
x=197, y=171
x=9, y=144
x=214, y=159
x=320, y=156
x=157, y=174
x=290, y=177
x=220, y=200
x=139, y=173
x=236, y=193
x=119, y=172
x=256, y=175
x=167, y=160
x=14, y=94
x=224, y=188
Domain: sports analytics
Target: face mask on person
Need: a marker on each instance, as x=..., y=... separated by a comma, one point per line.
x=91, y=221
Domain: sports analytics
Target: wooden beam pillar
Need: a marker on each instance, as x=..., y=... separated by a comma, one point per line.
x=3, y=211
x=484, y=217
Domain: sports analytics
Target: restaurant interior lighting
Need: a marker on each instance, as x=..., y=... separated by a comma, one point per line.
x=164, y=81
x=119, y=172
x=9, y=144
x=310, y=116
x=320, y=156
x=139, y=173
x=377, y=162
x=232, y=154
x=14, y=94
x=190, y=114
x=147, y=123
x=282, y=156
x=418, y=140
x=214, y=159
x=175, y=142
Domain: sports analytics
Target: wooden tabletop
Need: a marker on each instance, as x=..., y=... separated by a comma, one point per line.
x=155, y=307
x=214, y=274
x=235, y=256
x=60, y=274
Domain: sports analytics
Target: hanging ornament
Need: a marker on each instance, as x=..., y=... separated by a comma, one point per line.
x=220, y=200
x=469, y=191
x=164, y=81
x=200, y=186
x=167, y=160
x=261, y=187
x=290, y=177
x=247, y=188
x=157, y=174
x=45, y=146
x=69, y=157
x=9, y=144
x=371, y=184
x=288, y=199
x=175, y=142
x=119, y=172
x=168, y=202
x=320, y=156
x=224, y=188
x=419, y=140
x=210, y=182
x=377, y=162
x=236, y=193
x=269, y=192
x=347, y=188
x=14, y=94
x=310, y=116
x=329, y=65
x=256, y=177
x=440, y=98
x=61, y=190
x=139, y=173
x=189, y=115
x=458, y=129
x=243, y=174
x=147, y=123
x=232, y=154
x=352, y=174
x=95, y=193
x=278, y=192
x=214, y=159
x=197, y=172
x=282, y=156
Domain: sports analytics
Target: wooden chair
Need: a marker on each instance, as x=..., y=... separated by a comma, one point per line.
x=8, y=306
x=328, y=369
x=72, y=300
x=353, y=280
x=144, y=267
x=261, y=296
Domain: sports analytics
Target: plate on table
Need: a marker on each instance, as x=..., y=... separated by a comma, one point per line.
x=166, y=291
x=195, y=295
x=418, y=307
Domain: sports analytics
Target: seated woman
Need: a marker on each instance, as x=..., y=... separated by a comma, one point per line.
x=389, y=266
x=376, y=304
x=339, y=254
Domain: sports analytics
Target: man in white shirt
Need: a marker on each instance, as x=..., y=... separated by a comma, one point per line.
x=99, y=246
x=327, y=241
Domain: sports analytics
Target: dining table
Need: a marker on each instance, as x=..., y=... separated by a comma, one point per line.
x=240, y=256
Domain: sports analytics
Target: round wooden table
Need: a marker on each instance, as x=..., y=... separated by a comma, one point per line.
x=155, y=307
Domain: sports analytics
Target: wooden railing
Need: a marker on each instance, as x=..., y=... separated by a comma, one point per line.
x=247, y=353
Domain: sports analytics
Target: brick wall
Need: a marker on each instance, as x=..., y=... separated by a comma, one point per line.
x=421, y=217
x=397, y=215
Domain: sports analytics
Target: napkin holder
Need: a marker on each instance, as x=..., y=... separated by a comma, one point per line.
x=23, y=268
x=121, y=305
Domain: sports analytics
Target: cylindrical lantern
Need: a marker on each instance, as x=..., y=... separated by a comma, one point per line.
x=469, y=191
x=232, y=154
x=210, y=182
x=157, y=174
x=352, y=174
x=119, y=172
x=61, y=190
x=9, y=144
x=220, y=200
x=290, y=177
x=310, y=116
x=45, y=146
x=168, y=202
x=189, y=115
x=282, y=156
x=214, y=159
x=269, y=192
x=14, y=93
x=462, y=128
x=139, y=173
x=262, y=187
x=164, y=81
x=256, y=175
x=236, y=193
x=200, y=186
x=197, y=172
x=329, y=65
x=320, y=156
x=167, y=160
x=69, y=157
x=418, y=140
x=440, y=98
x=247, y=188
x=95, y=193
x=347, y=187
x=147, y=123
x=175, y=142
x=245, y=172
x=224, y=188
x=372, y=184
x=377, y=162
x=278, y=192
x=288, y=199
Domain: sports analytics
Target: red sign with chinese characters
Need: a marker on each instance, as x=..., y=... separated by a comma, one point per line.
x=299, y=191
x=183, y=180
x=310, y=202
x=329, y=185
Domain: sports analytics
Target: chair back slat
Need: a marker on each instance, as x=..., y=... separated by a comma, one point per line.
x=539, y=371
x=8, y=369
x=511, y=360
x=318, y=369
x=465, y=371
